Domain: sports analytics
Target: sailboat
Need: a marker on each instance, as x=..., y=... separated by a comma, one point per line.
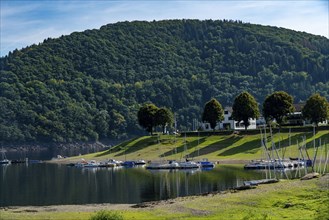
x=187, y=164
x=204, y=163
x=4, y=160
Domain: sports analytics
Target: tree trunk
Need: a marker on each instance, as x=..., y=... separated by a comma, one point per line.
x=246, y=124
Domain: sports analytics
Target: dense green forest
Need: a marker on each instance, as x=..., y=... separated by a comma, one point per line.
x=88, y=86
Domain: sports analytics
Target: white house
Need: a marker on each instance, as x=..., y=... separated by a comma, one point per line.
x=229, y=124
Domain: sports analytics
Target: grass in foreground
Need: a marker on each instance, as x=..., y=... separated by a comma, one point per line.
x=291, y=199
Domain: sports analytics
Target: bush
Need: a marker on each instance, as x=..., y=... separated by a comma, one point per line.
x=106, y=215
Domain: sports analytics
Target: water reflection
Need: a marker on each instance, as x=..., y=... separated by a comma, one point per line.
x=47, y=184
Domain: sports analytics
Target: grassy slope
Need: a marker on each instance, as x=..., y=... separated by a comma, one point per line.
x=214, y=147
x=291, y=199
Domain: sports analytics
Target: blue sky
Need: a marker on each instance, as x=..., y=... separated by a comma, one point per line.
x=26, y=22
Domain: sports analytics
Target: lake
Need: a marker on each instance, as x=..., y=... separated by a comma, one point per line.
x=51, y=184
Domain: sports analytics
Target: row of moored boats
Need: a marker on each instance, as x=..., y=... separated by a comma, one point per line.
x=25, y=161
x=171, y=164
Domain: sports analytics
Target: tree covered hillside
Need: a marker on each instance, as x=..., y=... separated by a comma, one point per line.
x=90, y=85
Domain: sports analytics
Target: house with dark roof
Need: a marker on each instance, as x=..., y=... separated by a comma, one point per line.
x=296, y=117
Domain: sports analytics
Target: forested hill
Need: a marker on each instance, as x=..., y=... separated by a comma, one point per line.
x=90, y=85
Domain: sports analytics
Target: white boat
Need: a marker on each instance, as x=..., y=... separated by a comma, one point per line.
x=85, y=164
x=163, y=165
x=107, y=164
x=189, y=165
x=111, y=163
x=91, y=164
x=4, y=159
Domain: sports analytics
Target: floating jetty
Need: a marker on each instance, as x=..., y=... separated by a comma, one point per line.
x=275, y=164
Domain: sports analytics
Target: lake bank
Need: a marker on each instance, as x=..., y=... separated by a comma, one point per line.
x=286, y=199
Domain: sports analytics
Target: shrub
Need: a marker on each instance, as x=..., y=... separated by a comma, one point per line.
x=106, y=215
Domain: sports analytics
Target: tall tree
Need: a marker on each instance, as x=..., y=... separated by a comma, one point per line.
x=213, y=113
x=277, y=106
x=244, y=108
x=163, y=118
x=146, y=117
x=316, y=109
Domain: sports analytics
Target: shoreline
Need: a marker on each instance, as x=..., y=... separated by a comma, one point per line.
x=197, y=205
x=75, y=160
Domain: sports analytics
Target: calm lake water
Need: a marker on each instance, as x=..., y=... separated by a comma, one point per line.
x=50, y=184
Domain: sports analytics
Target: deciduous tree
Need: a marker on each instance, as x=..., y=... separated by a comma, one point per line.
x=316, y=109
x=244, y=108
x=277, y=106
x=163, y=118
x=146, y=116
x=213, y=113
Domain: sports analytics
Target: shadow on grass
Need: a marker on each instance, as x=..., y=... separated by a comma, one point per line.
x=139, y=145
x=248, y=147
x=299, y=138
x=129, y=149
x=117, y=147
x=243, y=148
x=324, y=140
x=219, y=145
x=181, y=148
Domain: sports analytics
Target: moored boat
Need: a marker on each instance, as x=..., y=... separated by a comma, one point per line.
x=140, y=162
x=91, y=164
x=109, y=163
x=188, y=165
x=4, y=159
x=204, y=163
x=19, y=161
x=128, y=163
x=171, y=164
